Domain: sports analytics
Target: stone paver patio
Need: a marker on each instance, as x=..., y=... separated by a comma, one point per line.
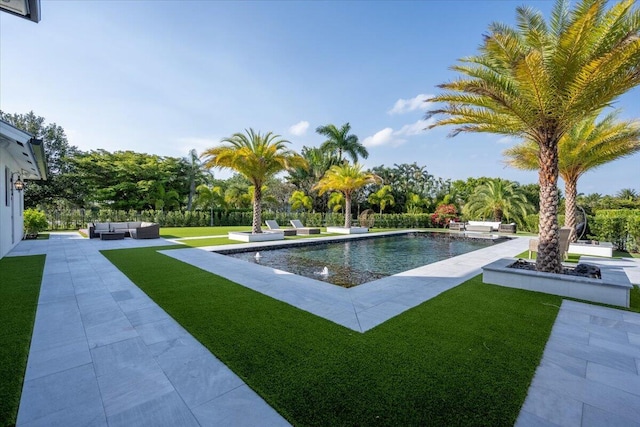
x=103, y=353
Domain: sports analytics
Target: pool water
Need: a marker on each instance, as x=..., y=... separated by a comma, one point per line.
x=354, y=262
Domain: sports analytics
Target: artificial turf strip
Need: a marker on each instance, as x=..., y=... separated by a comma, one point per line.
x=465, y=357
x=20, y=279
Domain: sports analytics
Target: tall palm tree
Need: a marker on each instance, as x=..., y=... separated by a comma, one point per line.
x=340, y=142
x=585, y=147
x=257, y=157
x=382, y=197
x=196, y=174
x=538, y=80
x=498, y=199
x=346, y=178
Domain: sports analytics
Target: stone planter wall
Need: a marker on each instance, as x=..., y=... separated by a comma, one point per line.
x=614, y=287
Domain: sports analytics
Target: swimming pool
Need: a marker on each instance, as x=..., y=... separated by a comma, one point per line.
x=354, y=262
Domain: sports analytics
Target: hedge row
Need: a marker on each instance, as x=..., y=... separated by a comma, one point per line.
x=79, y=218
x=618, y=226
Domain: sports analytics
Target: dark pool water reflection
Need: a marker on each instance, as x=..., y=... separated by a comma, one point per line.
x=354, y=262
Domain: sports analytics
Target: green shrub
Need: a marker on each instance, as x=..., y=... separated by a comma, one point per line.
x=618, y=226
x=35, y=221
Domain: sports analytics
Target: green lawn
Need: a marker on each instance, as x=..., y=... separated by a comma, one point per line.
x=20, y=279
x=465, y=357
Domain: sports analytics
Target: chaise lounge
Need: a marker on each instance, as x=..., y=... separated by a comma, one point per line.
x=272, y=225
x=301, y=229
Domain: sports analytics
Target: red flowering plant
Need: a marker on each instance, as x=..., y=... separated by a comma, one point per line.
x=443, y=215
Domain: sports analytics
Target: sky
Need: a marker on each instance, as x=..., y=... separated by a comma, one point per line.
x=165, y=77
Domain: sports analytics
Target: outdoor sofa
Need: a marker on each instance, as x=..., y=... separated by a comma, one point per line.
x=135, y=229
x=483, y=226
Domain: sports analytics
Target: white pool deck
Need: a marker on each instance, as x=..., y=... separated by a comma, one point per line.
x=103, y=353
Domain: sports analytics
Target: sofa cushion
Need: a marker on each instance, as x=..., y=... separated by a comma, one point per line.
x=134, y=225
x=101, y=226
x=120, y=226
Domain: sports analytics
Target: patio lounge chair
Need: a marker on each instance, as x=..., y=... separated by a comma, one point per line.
x=564, y=242
x=301, y=229
x=273, y=226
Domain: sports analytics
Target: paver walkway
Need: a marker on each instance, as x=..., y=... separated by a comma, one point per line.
x=103, y=353
x=588, y=376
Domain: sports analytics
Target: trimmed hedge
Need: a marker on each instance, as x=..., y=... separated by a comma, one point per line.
x=78, y=218
x=618, y=226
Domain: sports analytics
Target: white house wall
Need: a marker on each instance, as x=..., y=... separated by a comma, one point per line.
x=11, y=230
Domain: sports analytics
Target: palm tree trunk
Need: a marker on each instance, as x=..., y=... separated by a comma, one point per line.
x=570, y=220
x=347, y=210
x=548, y=249
x=257, y=209
x=192, y=191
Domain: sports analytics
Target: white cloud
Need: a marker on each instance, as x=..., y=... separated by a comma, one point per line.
x=388, y=136
x=299, y=128
x=383, y=137
x=407, y=105
x=414, y=128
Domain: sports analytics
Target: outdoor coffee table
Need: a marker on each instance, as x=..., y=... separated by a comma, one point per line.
x=112, y=235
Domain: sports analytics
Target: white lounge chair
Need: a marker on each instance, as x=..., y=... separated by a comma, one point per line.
x=273, y=226
x=301, y=229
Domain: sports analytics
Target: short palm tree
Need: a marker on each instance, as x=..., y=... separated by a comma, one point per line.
x=300, y=201
x=499, y=200
x=628, y=194
x=346, y=178
x=585, y=147
x=382, y=197
x=341, y=143
x=209, y=197
x=257, y=157
x=538, y=80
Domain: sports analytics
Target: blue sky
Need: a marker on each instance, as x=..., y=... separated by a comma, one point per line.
x=163, y=77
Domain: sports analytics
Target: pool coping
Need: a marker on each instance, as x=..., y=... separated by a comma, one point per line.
x=359, y=308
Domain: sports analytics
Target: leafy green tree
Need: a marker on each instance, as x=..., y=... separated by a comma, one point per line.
x=586, y=146
x=257, y=157
x=340, y=142
x=300, y=201
x=382, y=197
x=129, y=180
x=538, y=80
x=160, y=198
x=61, y=187
x=498, y=199
x=346, y=178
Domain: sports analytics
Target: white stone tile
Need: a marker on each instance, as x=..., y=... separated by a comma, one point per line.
x=553, y=407
x=239, y=408
x=66, y=398
x=615, y=378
